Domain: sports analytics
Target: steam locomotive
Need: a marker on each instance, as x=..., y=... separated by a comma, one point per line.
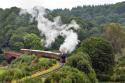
x=47, y=54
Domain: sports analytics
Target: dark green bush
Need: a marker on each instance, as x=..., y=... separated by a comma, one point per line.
x=101, y=54
x=82, y=62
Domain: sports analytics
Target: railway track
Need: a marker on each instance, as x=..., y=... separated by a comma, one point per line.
x=47, y=74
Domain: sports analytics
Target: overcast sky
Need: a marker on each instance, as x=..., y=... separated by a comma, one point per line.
x=52, y=4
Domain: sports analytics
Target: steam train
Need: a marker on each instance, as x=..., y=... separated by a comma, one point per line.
x=47, y=54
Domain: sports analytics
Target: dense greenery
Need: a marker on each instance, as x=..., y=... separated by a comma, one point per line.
x=119, y=70
x=68, y=75
x=115, y=31
x=100, y=14
x=82, y=62
x=14, y=27
x=24, y=66
x=100, y=55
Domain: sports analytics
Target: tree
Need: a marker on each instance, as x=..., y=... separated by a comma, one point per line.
x=101, y=55
x=82, y=62
x=116, y=35
x=57, y=43
x=16, y=42
x=32, y=41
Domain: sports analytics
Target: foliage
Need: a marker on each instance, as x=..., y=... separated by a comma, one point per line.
x=24, y=59
x=68, y=75
x=12, y=27
x=114, y=32
x=18, y=32
x=16, y=42
x=101, y=54
x=119, y=70
x=38, y=80
x=26, y=40
x=82, y=62
x=32, y=41
x=57, y=43
x=46, y=62
x=2, y=58
x=25, y=66
x=100, y=14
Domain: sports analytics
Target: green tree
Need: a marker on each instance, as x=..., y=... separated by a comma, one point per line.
x=116, y=35
x=101, y=55
x=82, y=62
x=16, y=42
x=32, y=41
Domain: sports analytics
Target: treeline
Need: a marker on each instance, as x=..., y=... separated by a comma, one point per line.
x=100, y=14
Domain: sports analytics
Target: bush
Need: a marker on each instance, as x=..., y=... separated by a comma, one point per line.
x=24, y=59
x=78, y=61
x=42, y=64
x=45, y=62
x=68, y=75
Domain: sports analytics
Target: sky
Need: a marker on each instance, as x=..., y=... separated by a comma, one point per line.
x=53, y=4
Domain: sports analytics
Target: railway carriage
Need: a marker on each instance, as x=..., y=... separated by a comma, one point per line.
x=47, y=54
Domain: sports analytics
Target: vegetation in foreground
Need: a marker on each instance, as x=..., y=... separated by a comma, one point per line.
x=25, y=65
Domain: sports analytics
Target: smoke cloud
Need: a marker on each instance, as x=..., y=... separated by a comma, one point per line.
x=52, y=29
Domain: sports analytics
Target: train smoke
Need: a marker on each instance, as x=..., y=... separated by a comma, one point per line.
x=52, y=29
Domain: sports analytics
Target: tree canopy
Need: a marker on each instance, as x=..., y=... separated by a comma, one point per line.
x=101, y=54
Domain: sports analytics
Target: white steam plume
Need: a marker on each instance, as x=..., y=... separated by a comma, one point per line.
x=52, y=29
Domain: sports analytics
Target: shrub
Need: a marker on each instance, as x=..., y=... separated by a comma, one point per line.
x=68, y=75
x=24, y=59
